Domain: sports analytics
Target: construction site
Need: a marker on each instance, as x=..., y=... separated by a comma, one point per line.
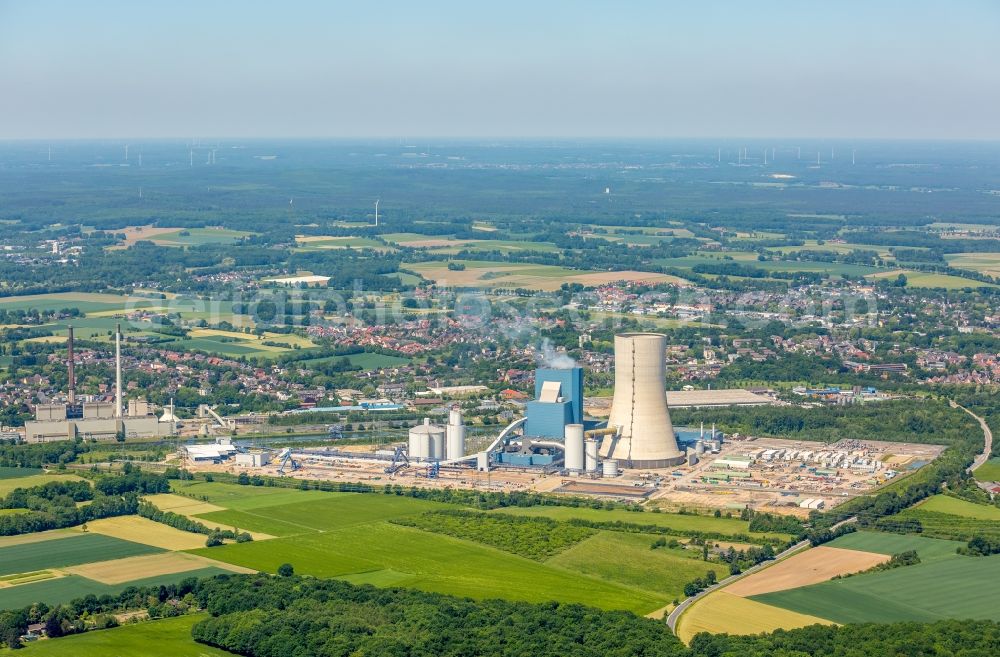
x=635, y=454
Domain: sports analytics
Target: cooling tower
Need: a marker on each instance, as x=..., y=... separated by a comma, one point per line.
x=639, y=410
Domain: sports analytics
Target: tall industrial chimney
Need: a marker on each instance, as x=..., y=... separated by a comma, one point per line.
x=118, y=371
x=645, y=437
x=72, y=371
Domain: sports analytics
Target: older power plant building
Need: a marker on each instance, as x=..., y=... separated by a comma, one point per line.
x=96, y=420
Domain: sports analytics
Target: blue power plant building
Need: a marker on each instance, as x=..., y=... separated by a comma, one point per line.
x=558, y=402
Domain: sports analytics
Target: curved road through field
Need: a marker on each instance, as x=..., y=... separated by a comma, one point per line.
x=687, y=602
x=987, y=434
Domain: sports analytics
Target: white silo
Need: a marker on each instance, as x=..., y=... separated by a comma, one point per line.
x=437, y=443
x=609, y=468
x=639, y=410
x=590, y=454
x=426, y=441
x=419, y=446
x=574, y=447
x=455, y=432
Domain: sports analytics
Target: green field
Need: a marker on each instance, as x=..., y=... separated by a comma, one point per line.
x=984, y=263
x=503, y=246
x=989, y=471
x=335, y=511
x=947, y=517
x=635, y=564
x=243, y=498
x=72, y=550
x=749, y=259
x=365, y=361
x=957, y=587
x=14, y=473
x=836, y=247
x=931, y=280
x=170, y=637
x=342, y=243
x=675, y=521
x=349, y=536
x=85, y=302
x=64, y=589
x=198, y=236
x=951, y=526
x=222, y=348
x=7, y=484
x=944, y=585
x=430, y=562
x=956, y=507
x=929, y=549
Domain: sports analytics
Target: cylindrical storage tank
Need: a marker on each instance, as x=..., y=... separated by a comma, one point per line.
x=699, y=447
x=609, y=468
x=455, y=438
x=692, y=459
x=419, y=447
x=639, y=409
x=426, y=441
x=590, y=455
x=437, y=443
x=483, y=461
x=574, y=447
x=455, y=416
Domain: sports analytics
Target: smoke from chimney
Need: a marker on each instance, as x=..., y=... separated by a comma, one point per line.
x=553, y=359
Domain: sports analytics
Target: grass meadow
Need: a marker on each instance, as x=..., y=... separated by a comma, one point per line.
x=989, y=471
x=944, y=585
x=69, y=551
x=170, y=637
x=351, y=536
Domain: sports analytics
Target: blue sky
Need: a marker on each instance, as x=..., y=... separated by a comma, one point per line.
x=549, y=68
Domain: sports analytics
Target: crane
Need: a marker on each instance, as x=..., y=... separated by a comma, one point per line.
x=285, y=459
x=399, y=461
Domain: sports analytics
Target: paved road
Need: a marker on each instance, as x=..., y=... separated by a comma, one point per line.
x=988, y=449
x=687, y=602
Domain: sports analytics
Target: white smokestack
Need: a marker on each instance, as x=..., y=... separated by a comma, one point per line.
x=118, y=371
